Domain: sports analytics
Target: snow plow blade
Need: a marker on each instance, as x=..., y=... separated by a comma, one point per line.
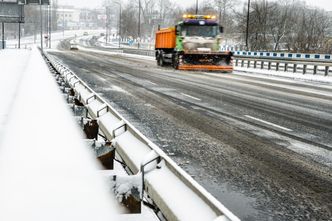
x=227, y=68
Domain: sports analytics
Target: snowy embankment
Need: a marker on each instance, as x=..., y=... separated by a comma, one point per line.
x=46, y=170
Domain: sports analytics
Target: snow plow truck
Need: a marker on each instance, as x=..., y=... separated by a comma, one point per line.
x=193, y=44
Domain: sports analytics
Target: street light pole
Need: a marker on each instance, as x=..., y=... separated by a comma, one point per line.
x=247, y=32
x=41, y=27
x=19, y=35
x=196, y=7
x=119, y=23
x=50, y=28
x=3, y=35
x=19, y=25
x=139, y=23
x=63, y=22
x=107, y=23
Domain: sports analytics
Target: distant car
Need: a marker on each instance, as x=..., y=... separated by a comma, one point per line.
x=102, y=34
x=73, y=47
x=85, y=33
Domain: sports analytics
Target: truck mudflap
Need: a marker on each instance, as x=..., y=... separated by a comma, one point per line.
x=226, y=68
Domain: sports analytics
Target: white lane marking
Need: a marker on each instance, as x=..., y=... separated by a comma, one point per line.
x=187, y=95
x=152, y=83
x=268, y=123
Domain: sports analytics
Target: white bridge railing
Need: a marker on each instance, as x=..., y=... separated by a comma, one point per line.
x=165, y=184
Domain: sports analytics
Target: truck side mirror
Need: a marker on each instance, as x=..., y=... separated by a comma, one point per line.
x=177, y=30
x=221, y=29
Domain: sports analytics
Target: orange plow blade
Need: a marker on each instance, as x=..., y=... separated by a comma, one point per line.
x=227, y=68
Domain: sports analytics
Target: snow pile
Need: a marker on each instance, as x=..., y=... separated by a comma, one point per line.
x=46, y=170
x=10, y=74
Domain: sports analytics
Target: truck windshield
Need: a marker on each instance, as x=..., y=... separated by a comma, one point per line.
x=200, y=30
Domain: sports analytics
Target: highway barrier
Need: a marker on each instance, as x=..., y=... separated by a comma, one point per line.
x=285, y=55
x=303, y=66
x=165, y=186
x=278, y=61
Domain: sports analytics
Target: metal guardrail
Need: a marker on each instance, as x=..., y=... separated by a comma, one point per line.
x=145, y=52
x=304, y=64
x=166, y=185
x=285, y=55
x=282, y=64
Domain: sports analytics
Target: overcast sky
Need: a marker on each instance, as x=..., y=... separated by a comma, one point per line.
x=326, y=4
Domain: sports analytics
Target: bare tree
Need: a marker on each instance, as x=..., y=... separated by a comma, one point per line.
x=286, y=25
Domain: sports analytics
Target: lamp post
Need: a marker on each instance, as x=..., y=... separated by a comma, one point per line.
x=50, y=27
x=139, y=23
x=63, y=22
x=41, y=27
x=107, y=24
x=196, y=7
x=119, y=23
x=3, y=34
x=19, y=24
x=247, y=32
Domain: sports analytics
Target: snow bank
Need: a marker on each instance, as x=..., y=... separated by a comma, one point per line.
x=289, y=75
x=47, y=172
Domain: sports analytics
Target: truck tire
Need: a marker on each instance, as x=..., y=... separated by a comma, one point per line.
x=158, y=63
x=157, y=57
x=175, y=61
x=160, y=60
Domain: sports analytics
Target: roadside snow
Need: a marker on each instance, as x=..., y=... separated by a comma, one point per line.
x=10, y=74
x=281, y=74
x=47, y=172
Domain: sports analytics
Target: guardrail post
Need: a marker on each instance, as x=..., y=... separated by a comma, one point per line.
x=315, y=69
x=327, y=69
x=107, y=156
x=255, y=63
x=294, y=68
x=277, y=66
x=130, y=200
x=269, y=65
x=248, y=63
x=91, y=129
x=242, y=63
x=286, y=67
x=262, y=64
x=304, y=68
x=236, y=62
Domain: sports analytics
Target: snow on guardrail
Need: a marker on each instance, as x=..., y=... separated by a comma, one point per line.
x=165, y=185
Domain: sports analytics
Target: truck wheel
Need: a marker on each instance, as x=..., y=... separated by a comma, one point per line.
x=160, y=60
x=175, y=61
x=158, y=57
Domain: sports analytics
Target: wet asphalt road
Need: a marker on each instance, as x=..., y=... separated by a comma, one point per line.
x=260, y=146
